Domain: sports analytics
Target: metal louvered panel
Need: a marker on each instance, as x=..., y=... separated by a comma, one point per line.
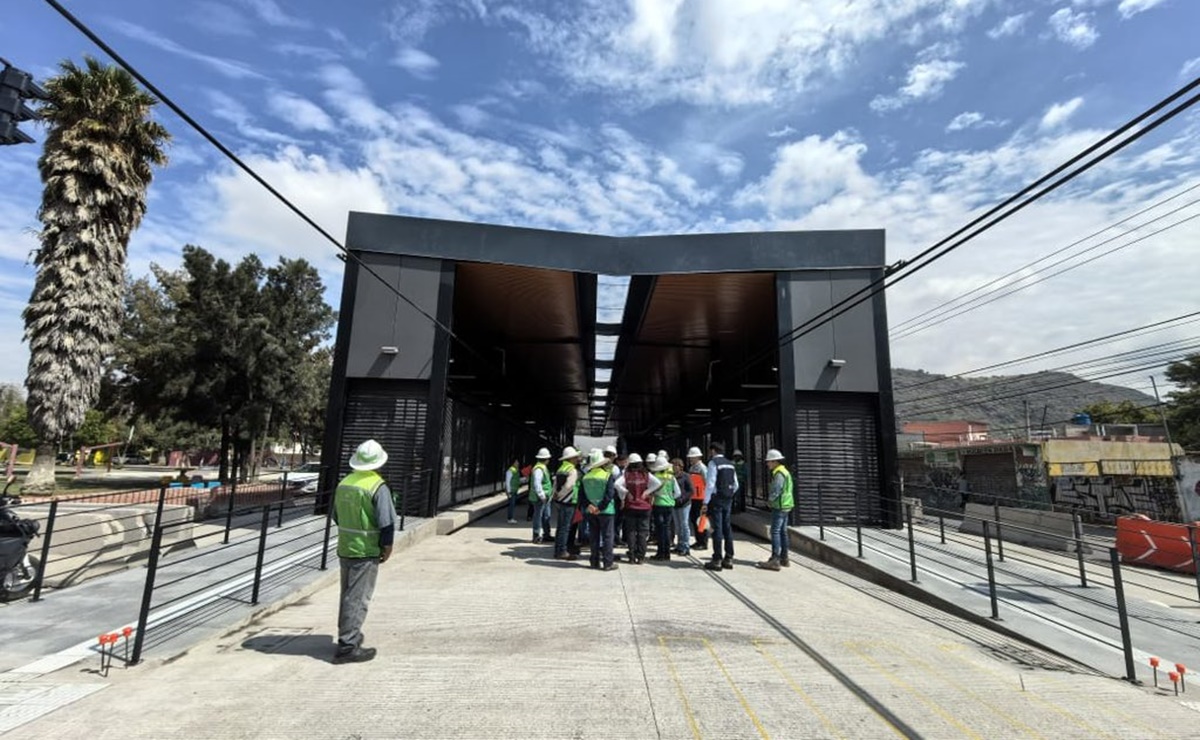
x=837, y=449
x=396, y=419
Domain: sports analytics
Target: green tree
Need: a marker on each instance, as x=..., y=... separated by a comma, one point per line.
x=15, y=428
x=10, y=398
x=96, y=167
x=1184, y=409
x=1124, y=412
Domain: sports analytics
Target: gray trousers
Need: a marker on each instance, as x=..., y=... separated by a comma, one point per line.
x=358, y=584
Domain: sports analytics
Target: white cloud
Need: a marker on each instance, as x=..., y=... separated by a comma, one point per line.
x=220, y=19
x=1073, y=28
x=227, y=108
x=973, y=119
x=246, y=218
x=685, y=49
x=1058, y=114
x=924, y=80
x=416, y=62
x=1130, y=8
x=228, y=67
x=1190, y=68
x=1010, y=26
x=780, y=133
x=302, y=114
x=471, y=116
x=269, y=12
x=809, y=172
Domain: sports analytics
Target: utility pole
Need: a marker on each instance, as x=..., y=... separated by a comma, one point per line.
x=1028, y=430
x=16, y=89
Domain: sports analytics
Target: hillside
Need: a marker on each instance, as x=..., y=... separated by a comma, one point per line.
x=1000, y=400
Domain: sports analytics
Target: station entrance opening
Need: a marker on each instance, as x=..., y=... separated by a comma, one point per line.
x=463, y=346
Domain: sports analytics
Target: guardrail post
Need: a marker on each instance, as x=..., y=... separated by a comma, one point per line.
x=282, y=499
x=162, y=499
x=1123, y=615
x=41, y=574
x=1077, y=522
x=139, y=639
x=820, y=512
x=229, y=509
x=912, y=542
x=262, y=549
x=999, y=533
x=858, y=522
x=991, y=571
x=942, y=527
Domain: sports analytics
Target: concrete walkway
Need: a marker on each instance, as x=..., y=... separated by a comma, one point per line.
x=483, y=635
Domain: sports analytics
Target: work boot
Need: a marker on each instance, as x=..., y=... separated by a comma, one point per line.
x=700, y=546
x=561, y=556
x=784, y=562
x=713, y=565
x=771, y=564
x=610, y=566
x=571, y=557
x=727, y=564
x=354, y=655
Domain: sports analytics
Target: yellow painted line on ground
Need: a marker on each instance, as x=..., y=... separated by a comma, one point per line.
x=1016, y=723
x=901, y=683
x=758, y=645
x=762, y=731
x=687, y=708
x=951, y=650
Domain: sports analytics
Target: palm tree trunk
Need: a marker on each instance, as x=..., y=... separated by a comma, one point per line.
x=41, y=475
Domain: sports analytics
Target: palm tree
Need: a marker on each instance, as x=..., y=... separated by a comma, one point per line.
x=95, y=168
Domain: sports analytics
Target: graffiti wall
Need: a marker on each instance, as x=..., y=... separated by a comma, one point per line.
x=1106, y=497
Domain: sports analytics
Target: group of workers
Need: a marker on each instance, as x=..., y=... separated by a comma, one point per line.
x=597, y=500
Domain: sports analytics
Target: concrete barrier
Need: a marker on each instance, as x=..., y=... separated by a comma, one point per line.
x=452, y=520
x=1049, y=529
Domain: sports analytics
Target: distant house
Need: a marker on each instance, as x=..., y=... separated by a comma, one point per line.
x=948, y=432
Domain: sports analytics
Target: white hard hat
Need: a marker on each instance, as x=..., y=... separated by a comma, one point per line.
x=568, y=453
x=660, y=465
x=774, y=455
x=695, y=452
x=651, y=458
x=370, y=455
x=662, y=455
x=610, y=450
x=542, y=454
x=634, y=458
x=597, y=458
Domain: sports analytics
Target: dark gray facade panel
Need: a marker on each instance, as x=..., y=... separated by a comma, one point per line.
x=382, y=319
x=642, y=255
x=854, y=335
x=850, y=337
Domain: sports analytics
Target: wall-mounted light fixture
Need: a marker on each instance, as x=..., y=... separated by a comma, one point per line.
x=837, y=363
x=389, y=350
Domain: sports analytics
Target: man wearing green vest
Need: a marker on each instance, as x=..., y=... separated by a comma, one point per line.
x=599, y=492
x=512, y=486
x=780, y=500
x=366, y=521
x=540, y=488
x=566, y=497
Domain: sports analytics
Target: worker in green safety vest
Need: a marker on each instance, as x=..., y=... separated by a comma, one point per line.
x=664, y=505
x=366, y=522
x=600, y=493
x=566, y=495
x=540, y=487
x=512, y=486
x=780, y=500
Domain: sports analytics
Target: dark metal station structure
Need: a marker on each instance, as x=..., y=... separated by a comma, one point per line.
x=698, y=357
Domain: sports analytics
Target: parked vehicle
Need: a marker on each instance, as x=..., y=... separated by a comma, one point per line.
x=18, y=569
x=305, y=478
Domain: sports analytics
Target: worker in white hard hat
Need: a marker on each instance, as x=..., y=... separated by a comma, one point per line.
x=720, y=488
x=697, y=472
x=780, y=500
x=540, y=488
x=598, y=489
x=566, y=498
x=366, y=522
x=635, y=490
x=739, y=469
x=617, y=467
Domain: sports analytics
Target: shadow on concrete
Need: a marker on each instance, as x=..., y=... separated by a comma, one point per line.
x=506, y=540
x=317, y=647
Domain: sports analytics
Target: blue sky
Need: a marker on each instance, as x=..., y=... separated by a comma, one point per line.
x=653, y=116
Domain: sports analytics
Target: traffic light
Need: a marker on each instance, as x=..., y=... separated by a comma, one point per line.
x=16, y=87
